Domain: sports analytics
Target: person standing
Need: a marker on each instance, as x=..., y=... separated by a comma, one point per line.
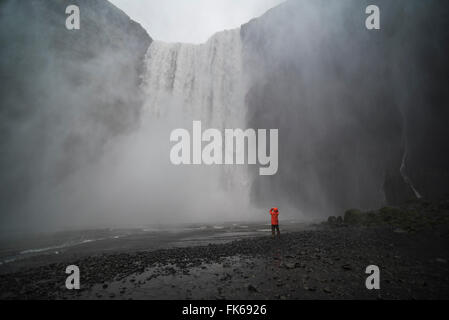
x=274, y=212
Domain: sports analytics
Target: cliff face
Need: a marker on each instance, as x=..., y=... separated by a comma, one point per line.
x=353, y=106
x=362, y=115
x=64, y=93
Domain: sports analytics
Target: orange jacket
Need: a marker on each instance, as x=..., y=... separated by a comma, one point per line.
x=274, y=216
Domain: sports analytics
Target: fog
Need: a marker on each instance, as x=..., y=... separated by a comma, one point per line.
x=65, y=95
x=90, y=148
x=86, y=117
x=353, y=106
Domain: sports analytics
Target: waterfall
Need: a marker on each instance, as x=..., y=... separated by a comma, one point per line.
x=403, y=167
x=135, y=177
x=201, y=82
x=186, y=82
x=405, y=177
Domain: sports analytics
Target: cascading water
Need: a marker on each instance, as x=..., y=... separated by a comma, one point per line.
x=405, y=177
x=135, y=178
x=187, y=82
x=202, y=82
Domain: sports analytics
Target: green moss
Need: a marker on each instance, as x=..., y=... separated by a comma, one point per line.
x=389, y=214
x=411, y=218
x=353, y=216
x=373, y=218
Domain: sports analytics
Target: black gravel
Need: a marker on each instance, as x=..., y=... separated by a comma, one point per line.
x=328, y=263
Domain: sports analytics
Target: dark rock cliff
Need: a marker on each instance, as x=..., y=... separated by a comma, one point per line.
x=64, y=93
x=351, y=104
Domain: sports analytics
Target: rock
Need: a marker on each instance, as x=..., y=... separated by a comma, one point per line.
x=289, y=265
x=332, y=220
x=353, y=216
x=441, y=260
x=399, y=230
x=252, y=288
x=110, y=38
x=227, y=276
x=346, y=267
x=327, y=290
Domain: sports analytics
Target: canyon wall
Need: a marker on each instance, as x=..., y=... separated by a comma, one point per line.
x=64, y=93
x=362, y=114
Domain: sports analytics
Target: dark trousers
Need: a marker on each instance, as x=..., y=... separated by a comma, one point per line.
x=275, y=227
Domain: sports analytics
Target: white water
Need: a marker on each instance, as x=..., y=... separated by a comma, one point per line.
x=201, y=82
x=134, y=183
x=405, y=177
x=186, y=82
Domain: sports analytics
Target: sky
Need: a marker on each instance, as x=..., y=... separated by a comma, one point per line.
x=192, y=21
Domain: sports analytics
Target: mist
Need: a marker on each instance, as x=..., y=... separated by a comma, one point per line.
x=91, y=148
x=346, y=101
x=86, y=116
x=64, y=97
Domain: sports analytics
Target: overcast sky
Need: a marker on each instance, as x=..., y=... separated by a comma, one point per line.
x=192, y=20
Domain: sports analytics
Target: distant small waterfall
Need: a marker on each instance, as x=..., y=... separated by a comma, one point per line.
x=406, y=178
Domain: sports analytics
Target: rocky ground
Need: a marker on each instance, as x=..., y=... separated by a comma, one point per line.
x=326, y=263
